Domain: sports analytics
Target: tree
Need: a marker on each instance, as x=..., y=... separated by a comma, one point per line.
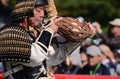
x=100, y=10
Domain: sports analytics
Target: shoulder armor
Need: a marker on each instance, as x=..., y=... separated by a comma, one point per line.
x=15, y=44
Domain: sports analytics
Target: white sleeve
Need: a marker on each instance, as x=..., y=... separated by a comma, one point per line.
x=37, y=56
x=62, y=50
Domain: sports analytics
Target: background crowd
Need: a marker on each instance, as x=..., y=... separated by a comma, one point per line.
x=100, y=54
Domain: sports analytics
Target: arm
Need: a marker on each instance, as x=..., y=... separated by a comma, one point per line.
x=63, y=48
x=39, y=49
x=112, y=42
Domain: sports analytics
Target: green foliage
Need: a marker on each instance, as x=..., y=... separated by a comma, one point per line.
x=12, y=2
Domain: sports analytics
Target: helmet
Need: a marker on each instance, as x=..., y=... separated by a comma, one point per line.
x=24, y=8
x=41, y=2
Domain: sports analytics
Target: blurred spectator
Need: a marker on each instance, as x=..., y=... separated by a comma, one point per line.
x=75, y=56
x=117, y=57
x=66, y=68
x=113, y=43
x=94, y=66
x=84, y=58
x=97, y=41
x=4, y=2
x=2, y=24
x=81, y=19
x=107, y=58
x=1, y=68
x=5, y=10
x=87, y=42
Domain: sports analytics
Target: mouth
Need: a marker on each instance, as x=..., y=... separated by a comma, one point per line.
x=40, y=20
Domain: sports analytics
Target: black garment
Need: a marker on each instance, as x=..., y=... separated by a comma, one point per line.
x=102, y=70
x=113, y=43
x=64, y=69
x=61, y=68
x=5, y=12
x=25, y=73
x=29, y=73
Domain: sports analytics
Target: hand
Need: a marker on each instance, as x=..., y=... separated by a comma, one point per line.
x=4, y=2
x=110, y=55
x=92, y=28
x=106, y=50
x=53, y=21
x=97, y=27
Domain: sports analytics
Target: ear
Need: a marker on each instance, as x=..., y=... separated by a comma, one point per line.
x=24, y=22
x=99, y=58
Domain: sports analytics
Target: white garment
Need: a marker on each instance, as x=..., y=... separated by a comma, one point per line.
x=105, y=62
x=56, y=55
x=38, y=55
x=76, y=59
x=62, y=50
x=118, y=68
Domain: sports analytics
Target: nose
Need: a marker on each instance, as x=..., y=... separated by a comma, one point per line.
x=41, y=14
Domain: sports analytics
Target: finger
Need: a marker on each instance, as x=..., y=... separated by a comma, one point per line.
x=92, y=28
x=53, y=18
x=58, y=19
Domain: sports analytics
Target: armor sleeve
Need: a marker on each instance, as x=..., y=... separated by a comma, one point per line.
x=44, y=39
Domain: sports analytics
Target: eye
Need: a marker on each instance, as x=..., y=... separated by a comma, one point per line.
x=38, y=9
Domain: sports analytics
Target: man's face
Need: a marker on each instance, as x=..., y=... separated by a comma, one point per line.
x=117, y=59
x=115, y=30
x=38, y=15
x=83, y=57
x=93, y=60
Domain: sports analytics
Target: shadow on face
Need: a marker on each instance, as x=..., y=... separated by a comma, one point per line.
x=93, y=60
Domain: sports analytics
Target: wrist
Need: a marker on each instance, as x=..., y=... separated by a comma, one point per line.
x=49, y=30
x=113, y=60
x=99, y=31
